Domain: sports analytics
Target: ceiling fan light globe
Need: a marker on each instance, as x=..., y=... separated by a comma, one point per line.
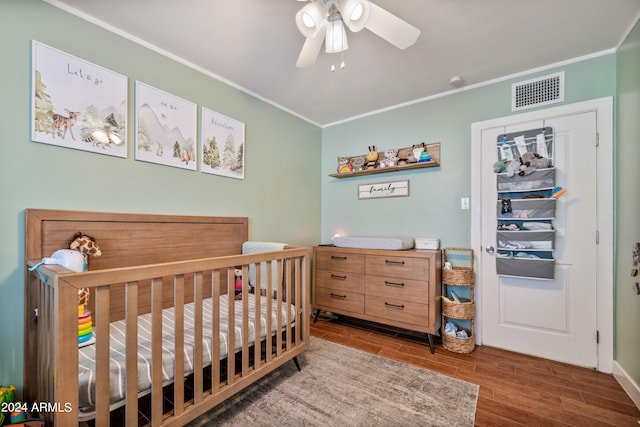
x=310, y=17
x=308, y=21
x=336, y=40
x=355, y=13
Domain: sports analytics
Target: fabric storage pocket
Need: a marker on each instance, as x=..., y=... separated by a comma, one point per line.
x=526, y=240
x=537, y=180
x=537, y=268
x=526, y=208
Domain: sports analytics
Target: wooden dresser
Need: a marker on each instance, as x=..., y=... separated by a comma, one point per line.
x=398, y=288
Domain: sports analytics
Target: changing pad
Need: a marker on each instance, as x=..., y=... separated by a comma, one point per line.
x=386, y=243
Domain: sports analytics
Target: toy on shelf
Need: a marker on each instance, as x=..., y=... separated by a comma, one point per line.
x=372, y=158
x=343, y=165
x=418, y=149
x=388, y=160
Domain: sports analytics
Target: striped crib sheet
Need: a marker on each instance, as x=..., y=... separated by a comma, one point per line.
x=86, y=355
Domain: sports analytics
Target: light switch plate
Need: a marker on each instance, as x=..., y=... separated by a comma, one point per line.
x=464, y=203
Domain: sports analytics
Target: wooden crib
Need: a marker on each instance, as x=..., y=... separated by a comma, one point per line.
x=164, y=270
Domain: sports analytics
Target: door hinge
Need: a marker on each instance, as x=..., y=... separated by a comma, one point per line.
x=597, y=337
x=597, y=237
x=597, y=139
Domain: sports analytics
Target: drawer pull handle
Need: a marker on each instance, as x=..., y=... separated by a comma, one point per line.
x=396, y=306
x=338, y=296
x=333, y=276
x=340, y=258
x=390, y=262
x=395, y=285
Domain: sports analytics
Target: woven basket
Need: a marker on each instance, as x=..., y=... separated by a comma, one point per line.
x=460, y=276
x=458, y=310
x=459, y=345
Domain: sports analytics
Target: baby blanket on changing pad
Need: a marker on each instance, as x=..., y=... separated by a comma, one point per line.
x=386, y=243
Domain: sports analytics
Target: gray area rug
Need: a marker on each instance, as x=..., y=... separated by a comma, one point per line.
x=342, y=386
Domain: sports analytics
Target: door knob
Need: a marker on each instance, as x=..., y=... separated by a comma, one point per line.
x=490, y=250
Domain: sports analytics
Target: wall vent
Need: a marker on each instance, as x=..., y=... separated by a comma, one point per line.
x=537, y=92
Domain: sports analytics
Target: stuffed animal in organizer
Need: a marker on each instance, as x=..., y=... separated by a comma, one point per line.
x=513, y=167
x=531, y=162
x=506, y=207
x=372, y=158
x=500, y=166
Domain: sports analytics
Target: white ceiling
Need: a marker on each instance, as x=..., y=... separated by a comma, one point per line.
x=254, y=44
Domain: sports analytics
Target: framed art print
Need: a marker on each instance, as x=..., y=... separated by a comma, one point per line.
x=222, y=145
x=166, y=128
x=77, y=104
x=383, y=189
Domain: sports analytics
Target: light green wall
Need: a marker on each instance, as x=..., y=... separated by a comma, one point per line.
x=278, y=194
x=433, y=207
x=627, y=319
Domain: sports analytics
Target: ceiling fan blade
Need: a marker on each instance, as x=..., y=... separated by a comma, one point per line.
x=311, y=48
x=396, y=31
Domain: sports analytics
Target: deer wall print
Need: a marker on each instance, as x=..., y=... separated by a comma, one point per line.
x=60, y=122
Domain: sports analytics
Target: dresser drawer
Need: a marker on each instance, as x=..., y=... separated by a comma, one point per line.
x=352, y=282
x=398, y=266
x=397, y=310
x=340, y=261
x=398, y=288
x=339, y=300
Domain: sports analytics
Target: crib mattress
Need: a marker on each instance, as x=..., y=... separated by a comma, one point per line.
x=86, y=355
x=385, y=243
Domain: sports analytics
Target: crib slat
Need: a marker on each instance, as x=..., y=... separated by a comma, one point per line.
x=257, y=357
x=245, y=321
x=215, y=331
x=299, y=292
x=269, y=325
x=178, y=364
x=231, y=333
x=156, y=352
x=102, y=355
x=289, y=265
x=280, y=296
x=131, y=319
x=197, y=356
x=66, y=368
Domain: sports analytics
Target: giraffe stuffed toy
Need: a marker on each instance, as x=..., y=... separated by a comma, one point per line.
x=86, y=245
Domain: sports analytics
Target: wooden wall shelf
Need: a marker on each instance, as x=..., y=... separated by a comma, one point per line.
x=434, y=152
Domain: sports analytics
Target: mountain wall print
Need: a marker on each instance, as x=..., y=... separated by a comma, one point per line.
x=166, y=128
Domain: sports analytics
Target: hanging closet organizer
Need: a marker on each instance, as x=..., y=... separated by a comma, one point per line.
x=525, y=236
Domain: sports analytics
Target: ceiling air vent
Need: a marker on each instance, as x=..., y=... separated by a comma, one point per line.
x=537, y=92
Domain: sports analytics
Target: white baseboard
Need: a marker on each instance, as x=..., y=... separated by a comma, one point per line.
x=627, y=383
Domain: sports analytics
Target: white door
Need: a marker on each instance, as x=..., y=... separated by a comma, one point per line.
x=556, y=319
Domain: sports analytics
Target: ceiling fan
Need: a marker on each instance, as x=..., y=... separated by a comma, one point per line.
x=323, y=21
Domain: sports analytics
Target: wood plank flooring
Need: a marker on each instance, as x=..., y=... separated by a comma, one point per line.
x=515, y=389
